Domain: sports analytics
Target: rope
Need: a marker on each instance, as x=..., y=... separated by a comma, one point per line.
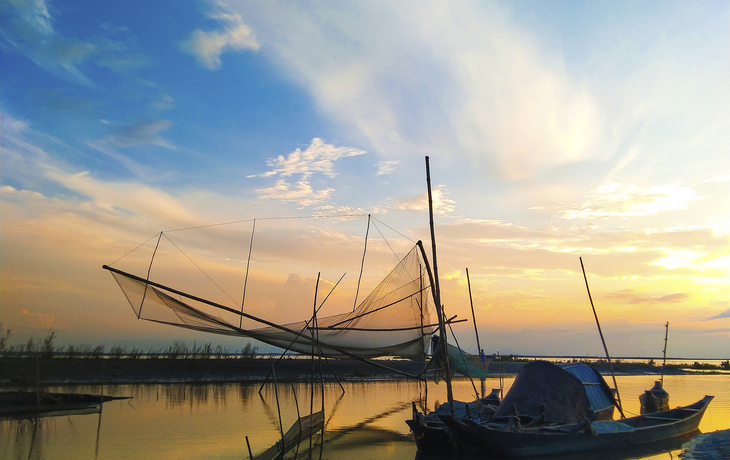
x=320, y=216
x=201, y=270
x=386, y=241
x=404, y=236
x=362, y=264
x=125, y=255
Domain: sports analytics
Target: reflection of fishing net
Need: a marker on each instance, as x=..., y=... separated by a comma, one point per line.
x=394, y=320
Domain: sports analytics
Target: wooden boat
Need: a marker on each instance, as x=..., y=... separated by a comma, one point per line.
x=584, y=436
x=19, y=404
x=654, y=400
x=543, y=392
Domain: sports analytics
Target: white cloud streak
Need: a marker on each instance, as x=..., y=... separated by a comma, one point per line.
x=318, y=157
x=433, y=77
x=613, y=199
x=207, y=47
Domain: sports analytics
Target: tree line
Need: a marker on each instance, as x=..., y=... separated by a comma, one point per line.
x=46, y=348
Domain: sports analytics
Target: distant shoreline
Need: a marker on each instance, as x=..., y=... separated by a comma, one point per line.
x=58, y=371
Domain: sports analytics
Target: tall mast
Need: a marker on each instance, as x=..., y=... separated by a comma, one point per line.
x=605, y=348
x=437, y=300
x=664, y=362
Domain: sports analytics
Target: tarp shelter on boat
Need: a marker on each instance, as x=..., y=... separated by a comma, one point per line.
x=394, y=320
x=570, y=393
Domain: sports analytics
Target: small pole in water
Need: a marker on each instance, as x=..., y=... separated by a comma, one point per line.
x=615, y=385
x=248, y=444
x=278, y=408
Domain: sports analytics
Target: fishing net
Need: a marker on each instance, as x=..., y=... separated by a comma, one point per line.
x=394, y=320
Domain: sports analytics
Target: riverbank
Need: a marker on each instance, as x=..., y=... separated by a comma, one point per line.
x=79, y=371
x=708, y=446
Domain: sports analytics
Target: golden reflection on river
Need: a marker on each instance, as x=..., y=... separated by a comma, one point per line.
x=180, y=421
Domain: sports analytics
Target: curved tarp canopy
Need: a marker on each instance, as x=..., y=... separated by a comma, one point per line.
x=542, y=382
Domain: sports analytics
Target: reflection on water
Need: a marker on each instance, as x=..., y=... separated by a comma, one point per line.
x=211, y=421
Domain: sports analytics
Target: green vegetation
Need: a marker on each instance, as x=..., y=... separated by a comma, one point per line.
x=45, y=348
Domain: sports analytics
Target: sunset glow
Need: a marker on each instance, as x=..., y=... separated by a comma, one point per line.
x=556, y=130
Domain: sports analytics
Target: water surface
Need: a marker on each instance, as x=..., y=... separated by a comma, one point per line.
x=199, y=422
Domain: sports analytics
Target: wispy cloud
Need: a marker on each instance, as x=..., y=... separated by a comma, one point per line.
x=386, y=167
x=28, y=30
x=436, y=77
x=441, y=203
x=302, y=193
x=615, y=199
x=41, y=319
x=319, y=157
x=723, y=315
x=633, y=298
x=144, y=133
x=234, y=35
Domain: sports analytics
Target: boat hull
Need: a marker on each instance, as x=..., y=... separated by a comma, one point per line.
x=473, y=438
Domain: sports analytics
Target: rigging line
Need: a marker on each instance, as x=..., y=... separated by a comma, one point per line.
x=410, y=328
x=201, y=270
x=336, y=348
x=404, y=236
x=463, y=359
x=139, y=314
x=331, y=291
x=248, y=263
x=320, y=216
x=125, y=255
x=362, y=264
x=306, y=325
x=386, y=241
x=372, y=311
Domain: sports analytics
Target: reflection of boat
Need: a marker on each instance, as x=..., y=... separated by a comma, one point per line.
x=654, y=400
x=19, y=404
x=576, y=437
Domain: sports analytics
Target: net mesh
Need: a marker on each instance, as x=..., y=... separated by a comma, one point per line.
x=394, y=320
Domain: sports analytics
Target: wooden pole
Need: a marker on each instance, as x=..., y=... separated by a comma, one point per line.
x=664, y=362
x=278, y=408
x=605, y=348
x=443, y=344
x=476, y=332
x=248, y=444
x=245, y=279
x=362, y=264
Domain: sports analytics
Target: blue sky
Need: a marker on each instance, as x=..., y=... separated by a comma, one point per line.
x=555, y=130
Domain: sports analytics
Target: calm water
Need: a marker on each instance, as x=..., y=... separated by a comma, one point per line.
x=211, y=421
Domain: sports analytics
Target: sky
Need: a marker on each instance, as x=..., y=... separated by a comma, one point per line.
x=555, y=130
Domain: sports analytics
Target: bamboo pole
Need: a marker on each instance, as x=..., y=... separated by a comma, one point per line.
x=664, y=361
x=476, y=332
x=437, y=300
x=245, y=279
x=605, y=348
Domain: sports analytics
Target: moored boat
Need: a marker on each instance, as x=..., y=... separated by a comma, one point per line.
x=583, y=436
x=654, y=400
x=20, y=404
